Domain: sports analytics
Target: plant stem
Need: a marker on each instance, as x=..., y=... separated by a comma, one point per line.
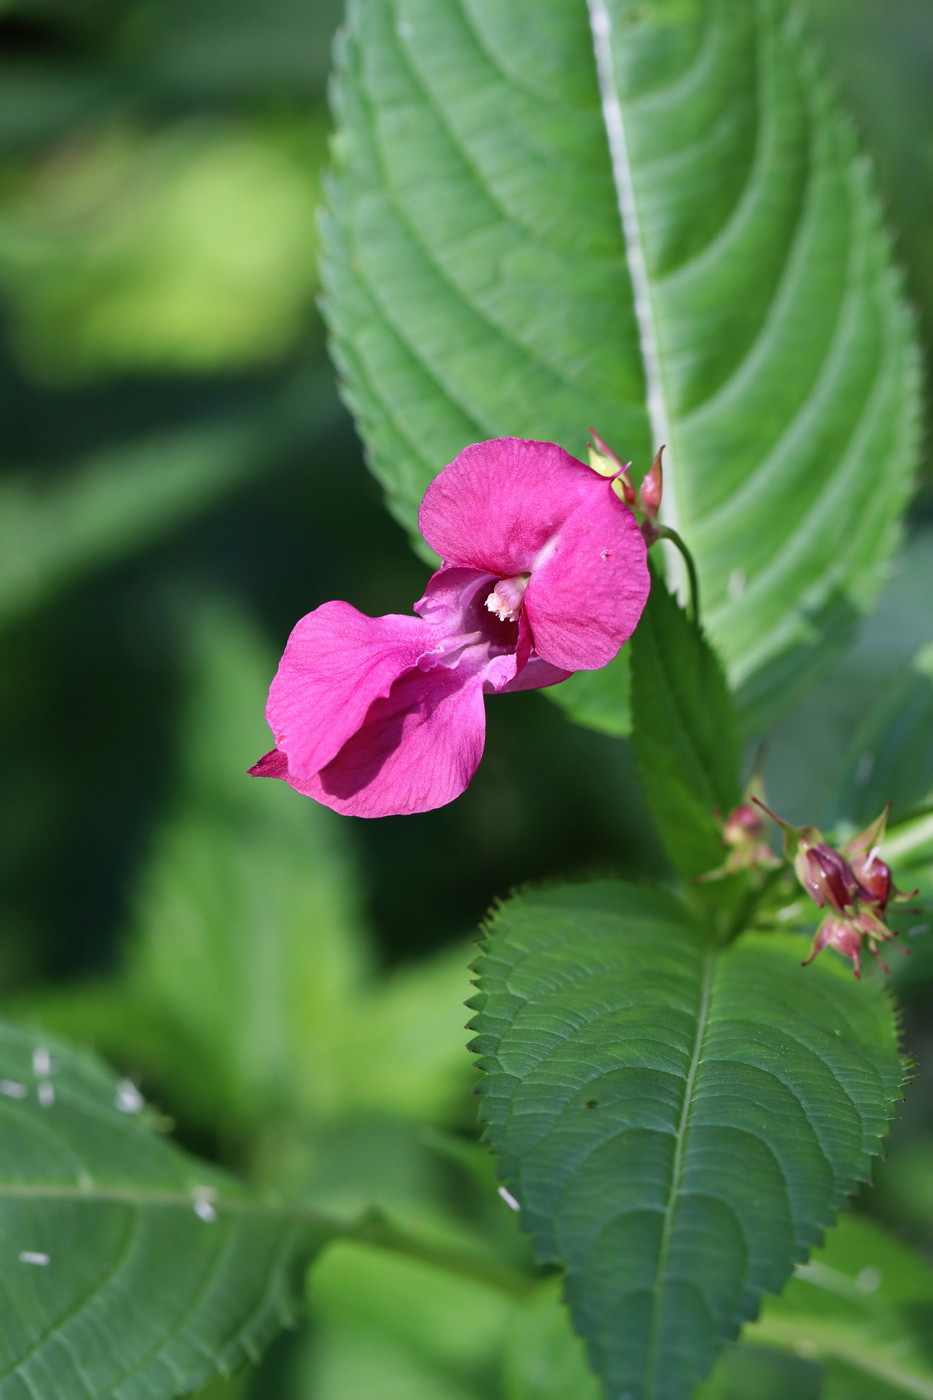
x=375, y=1229
x=664, y=532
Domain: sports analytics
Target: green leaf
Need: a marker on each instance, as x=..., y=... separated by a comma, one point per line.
x=864, y=1302
x=400, y=1329
x=676, y=242
x=542, y=1359
x=678, y=1124
x=685, y=737
x=132, y=1271
x=248, y=935
x=891, y=756
x=104, y=507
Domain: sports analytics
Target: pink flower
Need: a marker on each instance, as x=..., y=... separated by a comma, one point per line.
x=544, y=574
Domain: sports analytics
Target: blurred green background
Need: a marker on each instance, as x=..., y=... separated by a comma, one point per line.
x=178, y=484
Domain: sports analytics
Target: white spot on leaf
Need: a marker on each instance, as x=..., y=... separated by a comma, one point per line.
x=128, y=1099
x=509, y=1198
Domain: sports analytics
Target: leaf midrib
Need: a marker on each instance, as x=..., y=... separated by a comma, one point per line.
x=677, y=1169
x=627, y=205
x=141, y=1198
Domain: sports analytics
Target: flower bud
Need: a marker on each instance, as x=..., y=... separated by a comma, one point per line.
x=827, y=877
x=841, y=935
x=649, y=493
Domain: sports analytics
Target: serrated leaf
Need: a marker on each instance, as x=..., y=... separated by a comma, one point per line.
x=679, y=1124
x=685, y=737
x=675, y=241
x=99, y=1211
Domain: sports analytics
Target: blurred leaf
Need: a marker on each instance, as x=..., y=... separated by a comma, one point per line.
x=189, y=249
x=248, y=932
x=238, y=50
x=599, y=699
x=250, y=941
x=111, y=504
x=865, y=1301
x=743, y=309
x=685, y=738
x=743, y=1371
x=543, y=1360
x=384, y=1323
x=891, y=756
x=405, y=1050
x=679, y=1123
x=98, y=1211
x=812, y=744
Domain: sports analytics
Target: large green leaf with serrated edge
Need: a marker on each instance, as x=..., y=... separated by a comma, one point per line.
x=649, y=217
x=130, y=1270
x=678, y=1124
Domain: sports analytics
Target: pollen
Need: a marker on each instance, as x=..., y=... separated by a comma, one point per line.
x=505, y=601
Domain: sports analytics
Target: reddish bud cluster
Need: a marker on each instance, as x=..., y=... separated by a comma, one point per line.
x=854, y=883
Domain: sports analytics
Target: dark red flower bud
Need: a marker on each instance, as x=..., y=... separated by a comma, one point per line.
x=649, y=493
x=827, y=877
x=841, y=935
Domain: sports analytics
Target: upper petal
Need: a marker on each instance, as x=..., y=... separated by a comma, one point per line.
x=336, y=663
x=499, y=503
x=586, y=596
x=417, y=749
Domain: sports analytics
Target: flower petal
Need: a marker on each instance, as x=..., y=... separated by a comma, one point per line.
x=535, y=676
x=337, y=662
x=585, y=598
x=499, y=503
x=417, y=749
x=272, y=765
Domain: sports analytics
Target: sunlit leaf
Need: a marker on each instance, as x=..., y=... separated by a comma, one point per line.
x=675, y=241
x=685, y=737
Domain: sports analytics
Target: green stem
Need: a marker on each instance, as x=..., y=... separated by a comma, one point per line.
x=664, y=532
x=376, y=1230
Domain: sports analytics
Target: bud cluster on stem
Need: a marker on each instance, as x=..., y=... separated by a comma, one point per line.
x=853, y=884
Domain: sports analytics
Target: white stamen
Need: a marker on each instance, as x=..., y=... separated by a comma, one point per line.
x=506, y=598
x=12, y=1089
x=30, y=1256
x=41, y=1062
x=500, y=607
x=128, y=1099
x=45, y=1093
x=509, y=1198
